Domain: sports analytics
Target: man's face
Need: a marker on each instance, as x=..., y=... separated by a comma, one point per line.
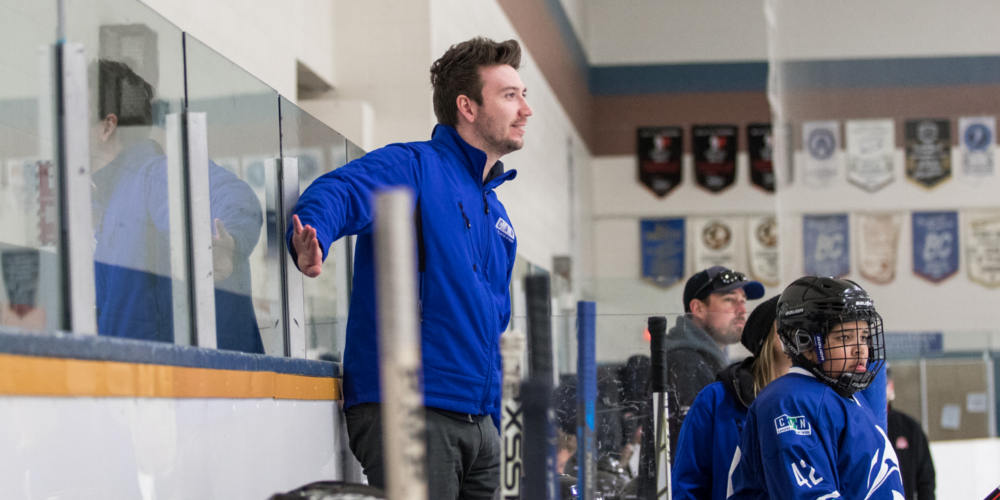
x=723, y=315
x=502, y=117
x=846, y=349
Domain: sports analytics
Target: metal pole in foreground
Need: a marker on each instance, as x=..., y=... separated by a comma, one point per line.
x=658, y=385
x=586, y=390
x=403, y=423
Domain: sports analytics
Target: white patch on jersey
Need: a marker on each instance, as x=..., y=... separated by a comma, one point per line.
x=830, y=496
x=505, y=230
x=886, y=463
x=799, y=424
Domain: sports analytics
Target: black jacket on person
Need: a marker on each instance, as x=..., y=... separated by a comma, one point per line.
x=693, y=359
x=915, y=464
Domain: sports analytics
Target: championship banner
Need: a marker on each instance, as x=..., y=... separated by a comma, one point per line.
x=662, y=244
x=714, y=240
x=935, y=245
x=928, y=151
x=870, y=150
x=877, y=237
x=978, y=135
x=20, y=270
x=759, y=149
x=762, y=231
x=982, y=247
x=660, y=151
x=826, y=245
x=714, y=148
x=821, y=141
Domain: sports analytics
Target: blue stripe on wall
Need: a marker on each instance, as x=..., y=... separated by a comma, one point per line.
x=666, y=78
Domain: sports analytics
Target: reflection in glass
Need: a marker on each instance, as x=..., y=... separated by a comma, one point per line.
x=242, y=116
x=29, y=263
x=128, y=47
x=319, y=149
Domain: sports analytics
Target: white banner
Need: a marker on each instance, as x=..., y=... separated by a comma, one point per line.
x=762, y=236
x=982, y=247
x=713, y=241
x=821, y=158
x=977, y=135
x=870, y=149
x=878, y=245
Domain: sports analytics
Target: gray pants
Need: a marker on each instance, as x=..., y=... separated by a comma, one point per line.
x=463, y=451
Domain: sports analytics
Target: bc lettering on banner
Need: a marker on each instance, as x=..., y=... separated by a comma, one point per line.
x=826, y=245
x=935, y=245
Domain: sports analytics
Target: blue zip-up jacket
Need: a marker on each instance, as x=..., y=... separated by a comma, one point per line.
x=132, y=250
x=468, y=248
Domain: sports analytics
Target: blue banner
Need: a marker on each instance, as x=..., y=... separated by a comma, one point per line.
x=903, y=345
x=662, y=243
x=826, y=245
x=935, y=245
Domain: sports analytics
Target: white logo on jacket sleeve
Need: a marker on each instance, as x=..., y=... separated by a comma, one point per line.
x=505, y=229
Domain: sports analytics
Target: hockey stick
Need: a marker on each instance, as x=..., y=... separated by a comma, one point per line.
x=536, y=395
x=658, y=384
x=586, y=390
x=403, y=421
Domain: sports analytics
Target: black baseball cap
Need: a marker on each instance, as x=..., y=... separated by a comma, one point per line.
x=759, y=325
x=719, y=279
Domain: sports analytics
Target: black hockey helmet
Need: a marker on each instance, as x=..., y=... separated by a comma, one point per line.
x=809, y=308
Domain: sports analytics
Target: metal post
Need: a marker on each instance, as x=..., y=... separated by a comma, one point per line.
x=293, y=303
x=76, y=227
x=403, y=424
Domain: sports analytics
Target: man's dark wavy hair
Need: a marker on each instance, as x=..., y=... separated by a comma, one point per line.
x=457, y=73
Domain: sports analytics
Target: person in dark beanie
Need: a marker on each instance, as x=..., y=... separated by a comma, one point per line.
x=715, y=312
x=711, y=431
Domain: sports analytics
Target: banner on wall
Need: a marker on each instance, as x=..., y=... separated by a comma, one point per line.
x=870, y=150
x=935, y=245
x=928, y=151
x=714, y=149
x=982, y=247
x=714, y=240
x=762, y=231
x=660, y=151
x=662, y=246
x=878, y=244
x=978, y=134
x=759, y=150
x=821, y=141
x=826, y=245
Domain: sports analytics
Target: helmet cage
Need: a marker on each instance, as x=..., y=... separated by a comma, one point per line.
x=810, y=333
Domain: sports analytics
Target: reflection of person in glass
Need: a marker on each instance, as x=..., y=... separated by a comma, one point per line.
x=131, y=224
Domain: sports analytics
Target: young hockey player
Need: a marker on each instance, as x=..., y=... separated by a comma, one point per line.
x=807, y=435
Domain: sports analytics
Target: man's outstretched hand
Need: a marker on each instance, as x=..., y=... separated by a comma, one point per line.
x=310, y=257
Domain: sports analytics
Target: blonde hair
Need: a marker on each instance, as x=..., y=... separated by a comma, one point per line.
x=764, y=366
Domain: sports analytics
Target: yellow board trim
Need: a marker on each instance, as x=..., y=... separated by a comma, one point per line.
x=41, y=376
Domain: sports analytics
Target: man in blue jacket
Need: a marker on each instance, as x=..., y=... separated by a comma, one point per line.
x=132, y=246
x=466, y=250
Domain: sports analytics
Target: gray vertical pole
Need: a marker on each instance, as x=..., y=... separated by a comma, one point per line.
x=176, y=194
x=403, y=424
x=76, y=226
x=293, y=303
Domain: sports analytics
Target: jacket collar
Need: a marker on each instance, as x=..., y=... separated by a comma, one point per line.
x=474, y=157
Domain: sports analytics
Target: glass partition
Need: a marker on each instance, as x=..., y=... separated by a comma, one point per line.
x=135, y=78
x=30, y=266
x=242, y=121
x=320, y=149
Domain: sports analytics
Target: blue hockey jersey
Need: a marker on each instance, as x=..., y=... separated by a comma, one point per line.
x=803, y=440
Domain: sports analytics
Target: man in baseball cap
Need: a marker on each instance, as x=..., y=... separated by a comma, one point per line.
x=715, y=314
